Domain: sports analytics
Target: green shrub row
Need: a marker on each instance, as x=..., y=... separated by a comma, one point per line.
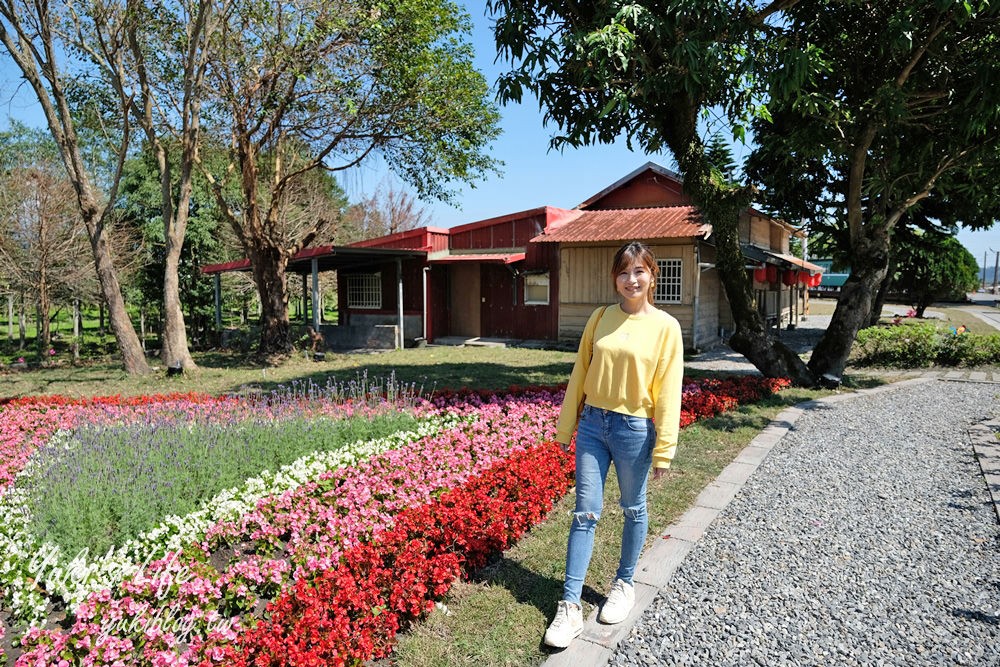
x=924, y=344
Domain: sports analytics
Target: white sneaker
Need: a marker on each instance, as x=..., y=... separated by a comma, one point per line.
x=567, y=625
x=620, y=601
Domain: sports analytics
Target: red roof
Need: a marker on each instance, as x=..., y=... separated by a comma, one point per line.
x=630, y=223
x=491, y=258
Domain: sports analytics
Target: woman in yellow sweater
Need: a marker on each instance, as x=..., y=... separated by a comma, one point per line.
x=627, y=377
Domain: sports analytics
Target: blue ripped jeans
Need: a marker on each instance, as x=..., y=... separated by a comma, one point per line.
x=602, y=438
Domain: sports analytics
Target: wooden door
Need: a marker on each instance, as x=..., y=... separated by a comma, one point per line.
x=465, y=300
x=497, y=302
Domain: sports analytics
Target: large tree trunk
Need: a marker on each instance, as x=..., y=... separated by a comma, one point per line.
x=870, y=262
x=272, y=285
x=175, y=350
x=751, y=339
x=121, y=325
x=721, y=207
x=880, y=296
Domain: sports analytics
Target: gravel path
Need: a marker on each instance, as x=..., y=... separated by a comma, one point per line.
x=867, y=537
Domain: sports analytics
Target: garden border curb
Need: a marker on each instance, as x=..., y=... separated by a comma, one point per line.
x=595, y=646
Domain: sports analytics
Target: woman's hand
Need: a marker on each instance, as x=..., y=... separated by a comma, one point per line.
x=658, y=473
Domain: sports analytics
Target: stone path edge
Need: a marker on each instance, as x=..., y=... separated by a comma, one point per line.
x=986, y=447
x=595, y=646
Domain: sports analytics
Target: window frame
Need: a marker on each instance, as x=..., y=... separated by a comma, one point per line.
x=548, y=289
x=669, y=287
x=367, y=286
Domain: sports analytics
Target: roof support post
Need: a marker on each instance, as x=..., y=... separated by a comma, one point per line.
x=218, y=301
x=317, y=315
x=304, y=301
x=399, y=302
x=697, y=295
x=425, y=275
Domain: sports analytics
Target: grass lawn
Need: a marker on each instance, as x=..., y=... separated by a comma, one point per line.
x=430, y=367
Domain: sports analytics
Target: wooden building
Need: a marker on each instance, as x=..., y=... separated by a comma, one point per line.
x=538, y=274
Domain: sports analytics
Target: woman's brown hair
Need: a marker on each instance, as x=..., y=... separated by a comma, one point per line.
x=635, y=252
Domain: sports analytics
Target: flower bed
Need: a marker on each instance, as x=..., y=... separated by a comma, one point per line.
x=319, y=564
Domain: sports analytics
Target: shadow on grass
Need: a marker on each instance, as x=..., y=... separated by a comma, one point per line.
x=527, y=586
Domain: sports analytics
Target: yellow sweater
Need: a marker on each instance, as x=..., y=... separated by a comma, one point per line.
x=636, y=369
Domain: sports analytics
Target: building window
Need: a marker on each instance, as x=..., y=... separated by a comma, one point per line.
x=668, y=283
x=536, y=289
x=364, y=291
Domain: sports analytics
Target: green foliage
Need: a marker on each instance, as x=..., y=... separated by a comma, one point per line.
x=917, y=77
x=339, y=79
x=924, y=344
x=903, y=346
x=605, y=69
x=105, y=485
x=720, y=155
x=932, y=266
x=140, y=206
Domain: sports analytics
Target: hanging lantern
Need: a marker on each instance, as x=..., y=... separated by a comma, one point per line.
x=815, y=280
x=788, y=278
x=772, y=273
x=760, y=274
x=804, y=277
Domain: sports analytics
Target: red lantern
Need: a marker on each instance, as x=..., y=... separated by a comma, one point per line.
x=760, y=274
x=772, y=273
x=788, y=278
x=815, y=280
x=804, y=277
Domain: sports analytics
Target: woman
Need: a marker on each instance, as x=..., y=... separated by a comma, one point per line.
x=627, y=376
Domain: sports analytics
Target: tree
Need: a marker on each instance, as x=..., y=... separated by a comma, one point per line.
x=207, y=239
x=900, y=114
x=934, y=266
x=41, y=234
x=151, y=57
x=387, y=211
x=320, y=85
x=865, y=80
x=30, y=38
x=650, y=72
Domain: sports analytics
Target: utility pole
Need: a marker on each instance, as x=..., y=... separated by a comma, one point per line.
x=984, y=270
x=996, y=265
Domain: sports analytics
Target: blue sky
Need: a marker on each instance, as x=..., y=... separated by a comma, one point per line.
x=532, y=175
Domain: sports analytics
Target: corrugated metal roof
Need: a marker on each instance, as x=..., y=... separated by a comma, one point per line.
x=489, y=258
x=758, y=254
x=663, y=222
x=801, y=263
